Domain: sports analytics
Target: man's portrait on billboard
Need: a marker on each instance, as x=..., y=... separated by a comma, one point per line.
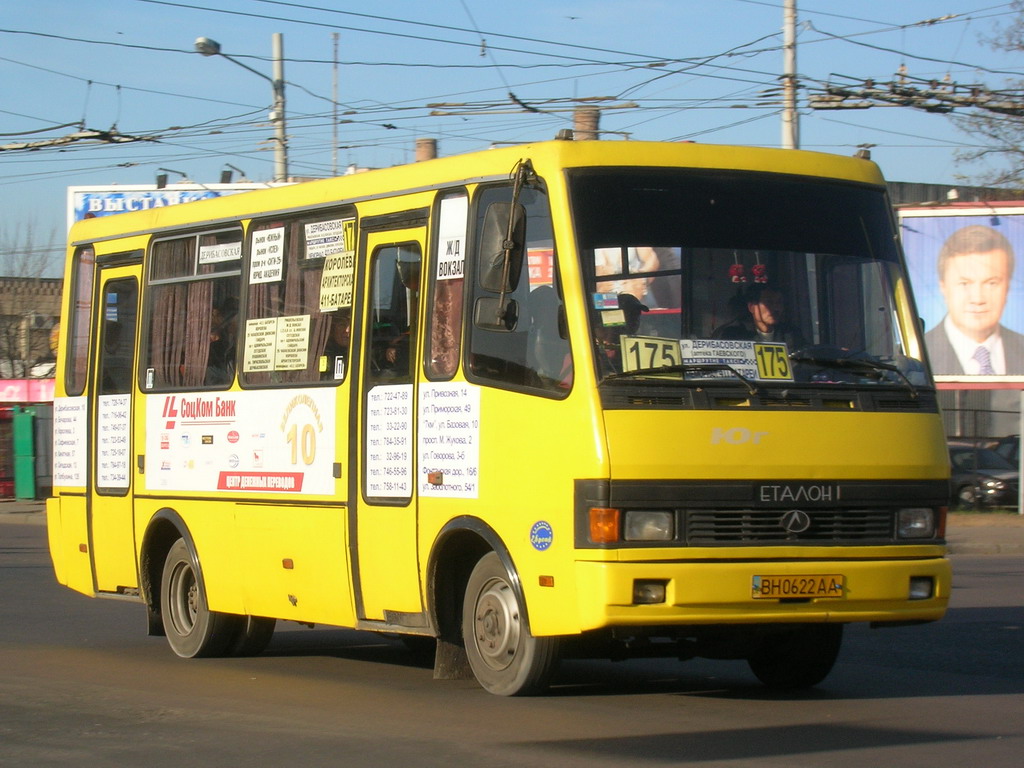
x=974, y=270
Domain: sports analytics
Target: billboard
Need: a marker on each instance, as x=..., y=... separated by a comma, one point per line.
x=961, y=260
x=89, y=202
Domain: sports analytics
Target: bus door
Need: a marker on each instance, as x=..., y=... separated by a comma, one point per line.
x=111, y=530
x=385, y=566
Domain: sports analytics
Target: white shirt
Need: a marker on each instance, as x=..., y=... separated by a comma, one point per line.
x=965, y=347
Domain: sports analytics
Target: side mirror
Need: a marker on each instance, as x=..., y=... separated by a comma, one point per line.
x=491, y=314
x=500, y=257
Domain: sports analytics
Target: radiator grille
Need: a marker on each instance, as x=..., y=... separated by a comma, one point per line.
x=753, y=527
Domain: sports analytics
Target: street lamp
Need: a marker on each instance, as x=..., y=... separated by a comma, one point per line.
x=161, y=178
x=207, y=47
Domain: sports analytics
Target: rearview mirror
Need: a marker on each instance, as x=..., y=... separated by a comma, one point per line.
x=500, y=257
x=490, y=314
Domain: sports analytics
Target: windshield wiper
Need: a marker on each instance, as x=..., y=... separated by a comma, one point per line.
x=862, y=364
x=687, y=368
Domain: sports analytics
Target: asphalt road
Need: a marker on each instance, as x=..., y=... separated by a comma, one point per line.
x=81, y=684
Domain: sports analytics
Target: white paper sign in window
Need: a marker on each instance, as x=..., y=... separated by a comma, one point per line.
x=339, y=264
x=267, y=258
x=212, y=254
x=451, y=256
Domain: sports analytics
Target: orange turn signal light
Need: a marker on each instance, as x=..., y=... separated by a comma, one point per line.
x=604, y=525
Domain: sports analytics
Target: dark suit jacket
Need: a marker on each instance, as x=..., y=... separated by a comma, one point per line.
x=945, y=362
x=743, y=329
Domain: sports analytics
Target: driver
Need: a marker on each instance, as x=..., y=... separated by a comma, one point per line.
x=764, y=319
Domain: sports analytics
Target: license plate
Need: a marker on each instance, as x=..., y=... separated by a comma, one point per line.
x=782, y=587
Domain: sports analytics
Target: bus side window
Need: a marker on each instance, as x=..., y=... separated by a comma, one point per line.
x=528, y=346
x=447, y=284
x=77, y=363
x=395, y=291
x=299, y=300
x=194, y=288
x=117, y=338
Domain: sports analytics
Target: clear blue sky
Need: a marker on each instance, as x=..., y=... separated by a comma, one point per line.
x=701, y=70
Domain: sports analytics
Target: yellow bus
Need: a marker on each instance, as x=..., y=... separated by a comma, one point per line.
x=565, y=398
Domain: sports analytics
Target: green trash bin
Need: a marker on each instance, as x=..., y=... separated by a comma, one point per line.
x=24, y=452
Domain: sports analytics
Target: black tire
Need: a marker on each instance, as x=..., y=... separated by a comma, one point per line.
x=506, y=659
x=797, y=658
x=253, y=636
x=192, y=629
x=965, y=497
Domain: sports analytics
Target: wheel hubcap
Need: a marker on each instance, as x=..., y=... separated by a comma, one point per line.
x=496, y=624
x=184, y=599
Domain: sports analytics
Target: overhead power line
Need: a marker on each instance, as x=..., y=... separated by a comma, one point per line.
x=644, y=60
x=42, y=130
x=102, y=137
x=919, y=57
x=937, y=96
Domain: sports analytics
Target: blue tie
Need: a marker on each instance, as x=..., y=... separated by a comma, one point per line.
x=984, y=358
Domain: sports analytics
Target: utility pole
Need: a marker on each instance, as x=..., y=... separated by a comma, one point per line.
x=790, y=119
x=334, y=102
x=281, y=153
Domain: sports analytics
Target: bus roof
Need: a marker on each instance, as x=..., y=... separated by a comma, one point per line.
x=486, y=165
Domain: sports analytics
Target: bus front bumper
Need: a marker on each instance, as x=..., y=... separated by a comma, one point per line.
x=628, y=594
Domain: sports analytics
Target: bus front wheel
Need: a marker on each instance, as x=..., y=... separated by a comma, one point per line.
x=192, y=629
x=506, y=659
x=800, y=657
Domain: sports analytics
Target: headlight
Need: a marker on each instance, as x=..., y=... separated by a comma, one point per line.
x=649, y=525
x=995, y=485
x=921, y=588
x=915, y=523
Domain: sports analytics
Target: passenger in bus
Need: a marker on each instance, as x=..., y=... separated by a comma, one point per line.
x=389, y=352
x=764, y=319
x=336, y=349
x=220, y=364
x=395, y=356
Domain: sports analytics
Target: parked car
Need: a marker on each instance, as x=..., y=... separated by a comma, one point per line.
x=980, y=477
x=1009, y=448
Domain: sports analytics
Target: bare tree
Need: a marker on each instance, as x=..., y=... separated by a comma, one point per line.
x=999, y=136
x=29, y=301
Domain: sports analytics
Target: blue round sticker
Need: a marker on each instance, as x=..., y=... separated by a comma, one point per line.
x=541, y=535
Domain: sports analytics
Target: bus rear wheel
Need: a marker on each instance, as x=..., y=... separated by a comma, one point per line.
x=506, y=659
x=192, y=629
x=796, y=658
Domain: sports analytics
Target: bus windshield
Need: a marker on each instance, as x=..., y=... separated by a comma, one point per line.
x=743, y=278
